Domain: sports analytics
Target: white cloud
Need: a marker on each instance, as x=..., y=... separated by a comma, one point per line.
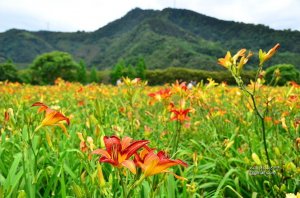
x=89, y=15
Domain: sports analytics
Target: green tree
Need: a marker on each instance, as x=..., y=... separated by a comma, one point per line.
x=93, y=75
x=281, y=74
x=49, y=66
x=141, y=69
x=117, y=71
x=8, y=71
x=81, y=73
x=25, y=75
x=129, y=72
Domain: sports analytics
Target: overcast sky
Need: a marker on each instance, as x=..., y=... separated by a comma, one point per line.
x=89, y=15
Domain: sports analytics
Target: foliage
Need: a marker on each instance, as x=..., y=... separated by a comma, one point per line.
x=218, y=136
x=25, y=75
x=261, y=107
x=8, y=71
x=117, y=71
x=82, y=73
x=49, y=66
x=123, y=69
x=159, y=77
x=141, y=69
x=281, y=74
x=94, y=75
x=171, y=37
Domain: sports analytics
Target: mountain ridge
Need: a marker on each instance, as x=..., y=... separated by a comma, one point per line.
x=170, y=37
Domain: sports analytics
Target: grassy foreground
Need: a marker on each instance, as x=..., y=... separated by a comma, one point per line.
x=211, y=128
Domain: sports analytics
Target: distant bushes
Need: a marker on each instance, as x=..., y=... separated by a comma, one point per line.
x=49, y=66
x=281, y=74
x=169, y=75
x=8, y=71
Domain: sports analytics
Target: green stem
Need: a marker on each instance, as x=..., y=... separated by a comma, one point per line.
x=135, y=184
x=123, y=185
x=27, y=182
x=177, y=137
x=261, y=117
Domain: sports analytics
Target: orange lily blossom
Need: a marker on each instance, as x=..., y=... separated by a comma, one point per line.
x=118, y=151
x=263, y=56
x=161, y=94
x=226, y=61
x=152, y=163
x=52, y=117
x=180, y=114
x=178, y=87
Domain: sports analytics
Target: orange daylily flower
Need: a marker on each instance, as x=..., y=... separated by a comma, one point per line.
x=180, y=114
x=119, y=151
x=52, y=117
x=226, y=61
x=244, y=60
x=240, y=53
x=152, y=163
x=178, y=87
x=263, y=56
x=161, y=94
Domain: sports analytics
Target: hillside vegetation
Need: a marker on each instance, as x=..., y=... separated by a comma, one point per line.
x=171, y=37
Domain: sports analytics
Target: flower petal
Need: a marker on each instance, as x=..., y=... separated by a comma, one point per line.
x=111, y=142
x=101, y=152
x=125, y=142
x=110, y=161
x=63, y=128
x=132, y=148
x=130, y=165
x=42, y=106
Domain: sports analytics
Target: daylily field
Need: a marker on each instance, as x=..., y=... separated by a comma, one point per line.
x=133, y=140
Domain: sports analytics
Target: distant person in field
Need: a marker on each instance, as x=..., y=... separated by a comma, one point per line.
x=119, y=82
x=191, y=84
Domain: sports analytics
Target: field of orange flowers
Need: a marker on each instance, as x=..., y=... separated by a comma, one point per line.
x=133, y=140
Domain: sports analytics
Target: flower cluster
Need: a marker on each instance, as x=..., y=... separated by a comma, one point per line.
x=160, y=95
x=235, y=63
x=119, y=153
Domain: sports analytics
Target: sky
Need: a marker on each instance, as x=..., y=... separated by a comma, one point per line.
x=90, y=15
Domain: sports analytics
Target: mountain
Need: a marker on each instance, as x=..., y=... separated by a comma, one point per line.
x=171, y=37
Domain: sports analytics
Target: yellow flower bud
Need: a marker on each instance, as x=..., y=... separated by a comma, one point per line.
x=256, y=159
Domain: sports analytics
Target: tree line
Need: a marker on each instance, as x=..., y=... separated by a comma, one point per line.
x=49, y=66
